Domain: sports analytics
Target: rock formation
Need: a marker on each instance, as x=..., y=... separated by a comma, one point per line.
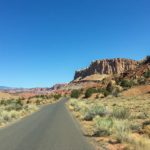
x=107, y=66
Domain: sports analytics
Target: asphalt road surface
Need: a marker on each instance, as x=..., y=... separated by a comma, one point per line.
x=51, y=128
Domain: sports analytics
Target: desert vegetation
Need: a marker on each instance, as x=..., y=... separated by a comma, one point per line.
x=115, y=122
x=75, y=93
x=43, y=99
x=13, y=109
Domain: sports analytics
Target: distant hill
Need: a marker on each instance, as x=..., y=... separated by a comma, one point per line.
x=5, y=88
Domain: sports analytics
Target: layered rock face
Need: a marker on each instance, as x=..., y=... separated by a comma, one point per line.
x=107, y=66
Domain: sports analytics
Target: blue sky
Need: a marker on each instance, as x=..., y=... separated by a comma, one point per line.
x=43, y=42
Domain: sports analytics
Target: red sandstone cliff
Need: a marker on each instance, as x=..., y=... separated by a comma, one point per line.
x=107, y=66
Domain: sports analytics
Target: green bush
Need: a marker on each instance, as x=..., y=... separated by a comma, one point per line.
x=75, y=93
x=127, y=83
x=147, y=74
x=103, y=91
x=89, y=92
x=109, y=87
x=57, y=96
x=121, y=112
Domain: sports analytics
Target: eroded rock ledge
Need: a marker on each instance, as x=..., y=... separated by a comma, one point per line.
x=107, y=66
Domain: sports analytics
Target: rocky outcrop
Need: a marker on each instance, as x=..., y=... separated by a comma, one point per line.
x=146, y=60
x=107, y=66
x=58, y=86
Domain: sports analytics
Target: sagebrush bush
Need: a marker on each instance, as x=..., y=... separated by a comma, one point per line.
x=6, y=116
x=135, y=127
x=14, y=114
x=31, y=107
x=73, y=102
x=94, y=110
x=103, y=126
x=77, y=105
x=122, y=130
x=121, y=112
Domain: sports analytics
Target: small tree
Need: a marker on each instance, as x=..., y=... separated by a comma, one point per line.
x=57, y=96
x=75, y=93
x=105, y=92
x=109, y=87
x=126, y=83
x=89, y=92
x=147, y=74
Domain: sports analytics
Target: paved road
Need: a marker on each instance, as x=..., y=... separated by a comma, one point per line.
x=51, y=128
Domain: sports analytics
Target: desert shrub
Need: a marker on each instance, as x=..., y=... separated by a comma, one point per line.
x=141, y=115
x=98, y=110
x=136, y=127
x=37, y=102
x=13, y=109
x=147, y=74
x=115, y=92
x=122, y=130
x=30, y=107
x=97, y=96
x=94, y=110
x=121, y=112
x=15, y=114
x=141, y=80
x=146, y=60
x=110, y=87
x=12, y=104
x=6, y=116
x=87, y=114
x=40, y=96
x=81, y=106
x=99, y=90
x=75, y=93
x=57, y=96
x=77, y=105
x=89, y=92
x=104, y=91
x=73, y=102
x=103, y=126
x=126, y=83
